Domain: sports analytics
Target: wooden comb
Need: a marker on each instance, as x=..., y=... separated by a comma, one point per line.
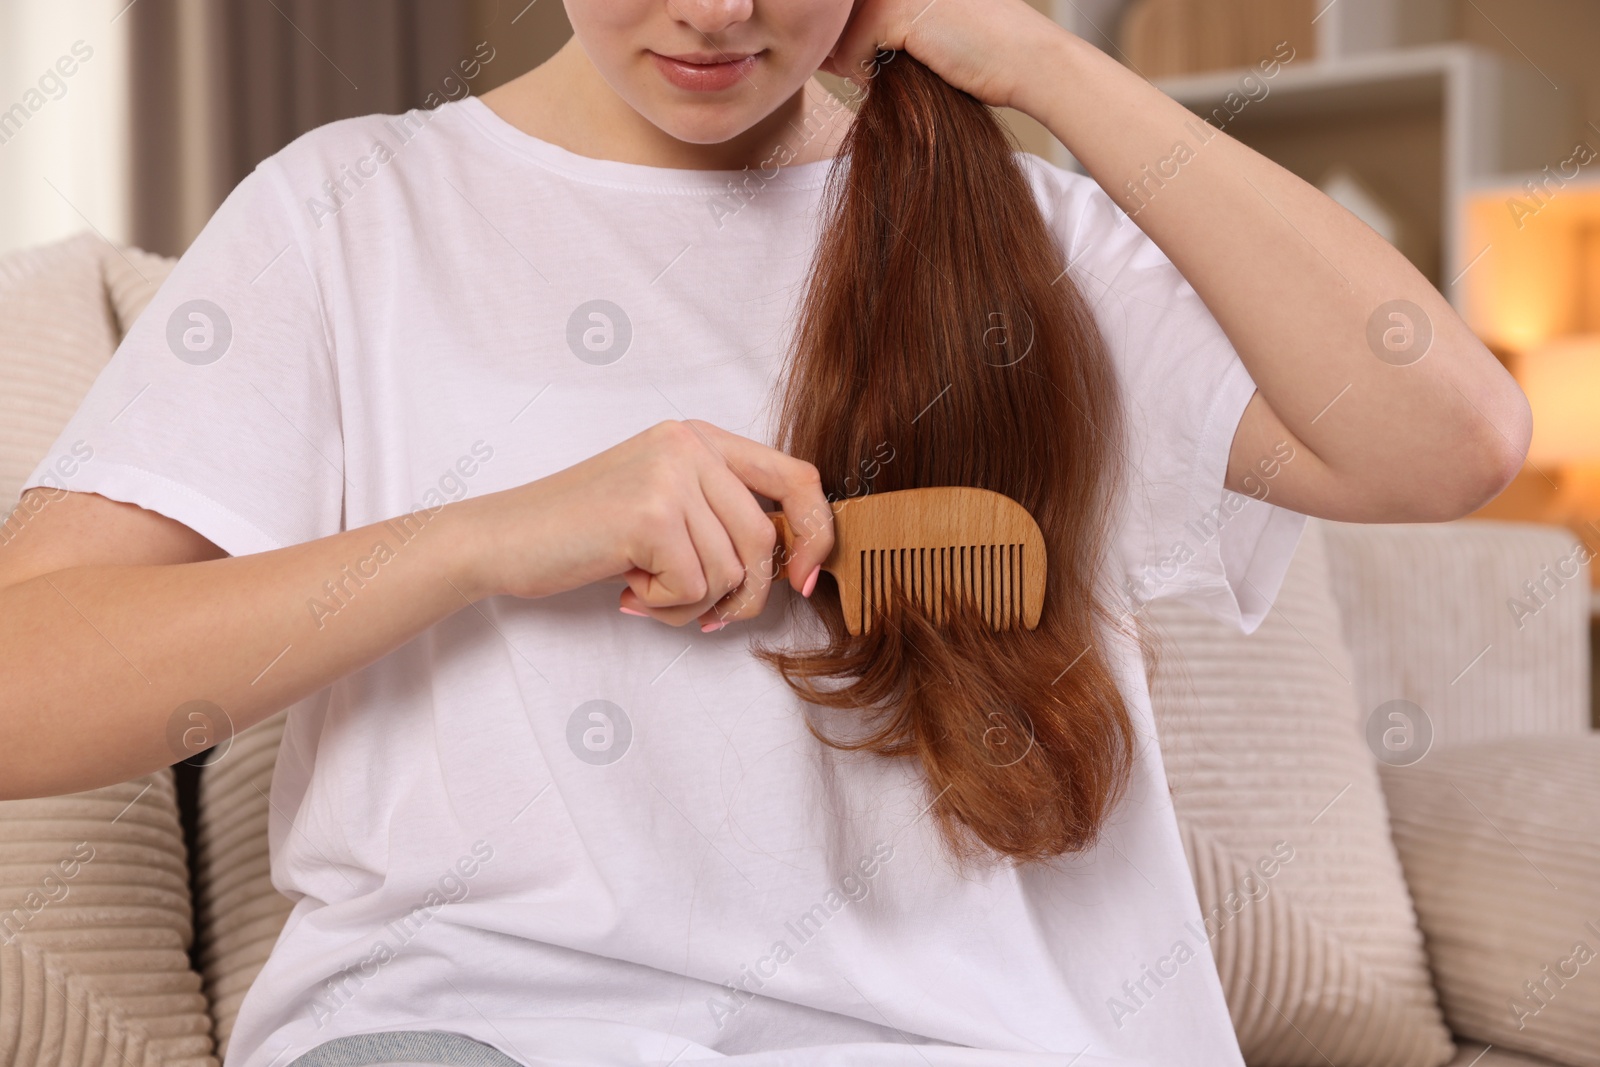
x=933, y=543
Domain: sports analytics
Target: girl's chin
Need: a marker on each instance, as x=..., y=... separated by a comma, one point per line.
x=702, y=128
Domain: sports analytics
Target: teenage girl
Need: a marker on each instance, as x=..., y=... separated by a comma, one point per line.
x=437, y=406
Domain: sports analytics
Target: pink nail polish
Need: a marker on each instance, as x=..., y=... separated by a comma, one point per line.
x=811, y=580
x=630, y=611
x=713, y=627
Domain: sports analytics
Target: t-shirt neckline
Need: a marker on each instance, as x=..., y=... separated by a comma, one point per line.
x=617, y=174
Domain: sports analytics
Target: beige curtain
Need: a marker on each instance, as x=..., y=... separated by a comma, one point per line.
x=218, y=85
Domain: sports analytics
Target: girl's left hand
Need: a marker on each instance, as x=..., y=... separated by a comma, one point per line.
x=975, y=45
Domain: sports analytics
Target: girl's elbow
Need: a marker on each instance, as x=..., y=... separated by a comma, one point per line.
x=1503, y=439
x=1480, y=470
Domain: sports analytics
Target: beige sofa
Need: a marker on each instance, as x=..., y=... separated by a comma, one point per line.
x=1362, y=912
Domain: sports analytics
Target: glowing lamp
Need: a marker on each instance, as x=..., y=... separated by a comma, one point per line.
x=1562, y=380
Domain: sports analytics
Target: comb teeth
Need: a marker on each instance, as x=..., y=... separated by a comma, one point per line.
x=988, y=575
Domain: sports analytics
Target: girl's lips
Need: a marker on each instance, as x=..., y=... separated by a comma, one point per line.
x=704, y=77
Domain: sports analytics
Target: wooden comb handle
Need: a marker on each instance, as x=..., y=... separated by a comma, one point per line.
x=780, y=551
x=784, y=549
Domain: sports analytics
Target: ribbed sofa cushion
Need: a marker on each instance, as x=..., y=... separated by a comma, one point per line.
x=95, y=926
x=1477, y=1054
x=57, y=330
x=1501, y=846
x=1483, y=625
x=1320, y=955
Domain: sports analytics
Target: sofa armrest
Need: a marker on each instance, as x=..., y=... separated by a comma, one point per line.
x=1484, y=625
x=1500, y=843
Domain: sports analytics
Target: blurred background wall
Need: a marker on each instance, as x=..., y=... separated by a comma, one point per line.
x=64, y=121
x=178, y=100
x=217, y=87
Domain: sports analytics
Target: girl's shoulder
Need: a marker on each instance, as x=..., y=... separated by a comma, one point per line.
x=329, y=165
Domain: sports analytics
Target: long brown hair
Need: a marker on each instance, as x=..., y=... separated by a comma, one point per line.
x=941, y=342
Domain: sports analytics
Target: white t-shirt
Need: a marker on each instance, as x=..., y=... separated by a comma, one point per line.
x=584, y=837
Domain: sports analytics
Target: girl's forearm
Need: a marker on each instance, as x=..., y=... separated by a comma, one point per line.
x=100, y=660
x=1295, y=281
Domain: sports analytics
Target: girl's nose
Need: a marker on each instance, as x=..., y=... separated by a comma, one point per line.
x=710, y=16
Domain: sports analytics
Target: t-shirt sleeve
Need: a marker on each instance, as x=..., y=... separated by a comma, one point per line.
x=1184, y=389
x=220, y=407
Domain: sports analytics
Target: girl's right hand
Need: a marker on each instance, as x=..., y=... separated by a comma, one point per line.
x=670, y=510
